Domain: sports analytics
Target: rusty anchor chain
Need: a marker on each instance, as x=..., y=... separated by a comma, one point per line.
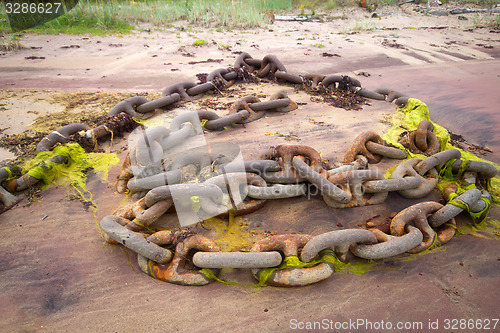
x=208, y=183
x=180, y=269
x=289, y=246
x=371, y=145
x=292, y=170
x=390, y=96
x=408, y=169
x=339, y=241
x=417, y=215
x=352, y=183
x=422, y=140
x=61, y=135
x=411, y=232
x=270, y=65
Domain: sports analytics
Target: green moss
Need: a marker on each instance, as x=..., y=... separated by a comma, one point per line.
x=486, y=229
x=232, y=234
x=325, y=256
x=211, y=275
x=73, y=172
x=408, y=118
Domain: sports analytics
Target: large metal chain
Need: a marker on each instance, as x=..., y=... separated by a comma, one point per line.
x=209, y=181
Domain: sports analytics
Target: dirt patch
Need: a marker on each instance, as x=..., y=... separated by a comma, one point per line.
x=53, y=110
x=82, y=107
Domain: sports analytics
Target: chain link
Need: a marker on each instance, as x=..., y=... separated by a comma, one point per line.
x=390, y=246
x=339, y=241
x=180, y=270
x=369, y=143
x=162, y=102
x=449, y=211
x=270, y=65
x=437, y=161
x=391, y=95
x=407, y=169
x=237, y=259
x=289, y=246
x=352, y=183
x=114, y=228
x=482, y=169
x=417, y=215
x=329, y=189
x=60, y=136
x=422, y=140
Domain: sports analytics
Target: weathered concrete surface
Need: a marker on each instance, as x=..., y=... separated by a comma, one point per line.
x=58, y=274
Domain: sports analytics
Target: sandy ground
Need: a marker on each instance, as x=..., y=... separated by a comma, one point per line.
x=57, y=273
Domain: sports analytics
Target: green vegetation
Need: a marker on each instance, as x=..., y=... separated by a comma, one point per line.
x=223, y=46
x=331, y=4
x=486, y=21
x=360, y=26
x=93, y=17
x=318, y=45
x=120, y=16
x=200, y=42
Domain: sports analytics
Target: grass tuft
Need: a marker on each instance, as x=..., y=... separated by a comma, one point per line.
x=360, y=26
x=200, y=42
x=486, y=21
x=10, y=42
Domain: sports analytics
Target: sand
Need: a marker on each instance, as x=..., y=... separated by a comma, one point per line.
x=58, y=274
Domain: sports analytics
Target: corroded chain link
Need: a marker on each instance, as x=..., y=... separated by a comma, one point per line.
x=213, y=188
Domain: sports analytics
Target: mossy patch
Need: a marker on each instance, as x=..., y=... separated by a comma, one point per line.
x=233, y=234
x=486, y=229
x=407, y=119
x=200, y=42
x=74, y=171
